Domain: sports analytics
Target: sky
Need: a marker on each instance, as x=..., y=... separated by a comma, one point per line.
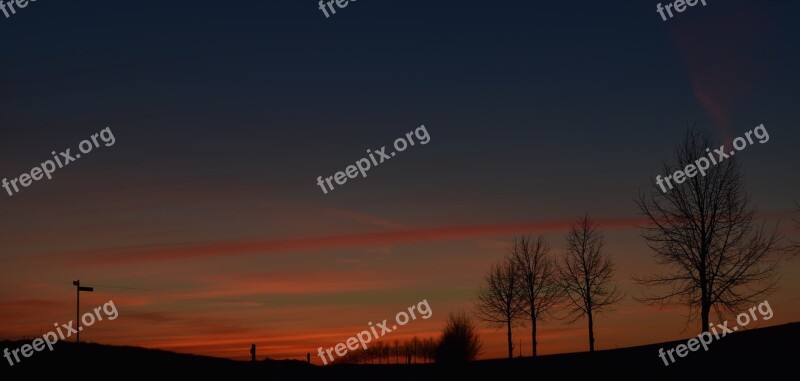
x=204, y=222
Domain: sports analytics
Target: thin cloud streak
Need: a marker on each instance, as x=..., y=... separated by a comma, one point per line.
x=224, y=249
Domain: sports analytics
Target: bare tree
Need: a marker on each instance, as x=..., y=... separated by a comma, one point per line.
x=703, y=231
x=539, y=290
x=585, y=274
x=408, y=348
x=378, y=347
x=429, y=349
x=416, y=347
x=498, y=301
x=797, y=223
x=371, y=351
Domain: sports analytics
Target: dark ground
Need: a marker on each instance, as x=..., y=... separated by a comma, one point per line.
x=761, y=353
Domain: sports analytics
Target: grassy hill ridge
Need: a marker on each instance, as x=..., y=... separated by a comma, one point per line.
x=759, y=352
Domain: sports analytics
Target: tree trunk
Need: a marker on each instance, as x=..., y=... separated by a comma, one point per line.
x=510, y=344
x=533, y=334
x=591, y=332
x=588, y=300
x=705, y=305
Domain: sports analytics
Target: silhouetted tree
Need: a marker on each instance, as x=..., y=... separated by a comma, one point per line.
x=797, y=223
x=539, y=290
x=428, y=349
x=421, y=350
x=585, y=274
x=459, y=342
x=387, y=351
x=415, y=348
x=379, y=350
x=703, y=232
x=397, y=348
x=383, y=349
x=411, y=347
x=498, y=301
x=372, y=352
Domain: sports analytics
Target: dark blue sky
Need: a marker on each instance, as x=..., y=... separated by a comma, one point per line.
x=503, y=87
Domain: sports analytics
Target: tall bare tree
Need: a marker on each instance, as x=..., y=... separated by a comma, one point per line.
x=797, y=223
x=585, y=274
x=498, y=301
x=539, y=290
x=704, y=232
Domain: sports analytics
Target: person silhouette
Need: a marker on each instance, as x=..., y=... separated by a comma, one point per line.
x=253, y=352
x=308, y=356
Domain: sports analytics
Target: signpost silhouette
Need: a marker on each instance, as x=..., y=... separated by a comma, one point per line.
x=77, y=284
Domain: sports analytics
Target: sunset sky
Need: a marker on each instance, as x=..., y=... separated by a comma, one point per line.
x=204, y=223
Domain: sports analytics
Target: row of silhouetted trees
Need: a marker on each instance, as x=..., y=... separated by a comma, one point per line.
x=529, y=285
x=414, y=350
x=716, y=258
